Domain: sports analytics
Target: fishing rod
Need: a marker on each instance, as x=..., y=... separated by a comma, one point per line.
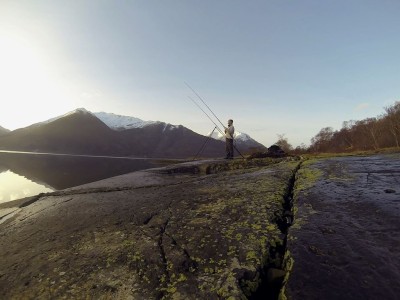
x=216, y=126
x=208, y=115
x=205, y=104
x=205, y=143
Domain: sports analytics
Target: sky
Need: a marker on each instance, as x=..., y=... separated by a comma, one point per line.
x=275, y=67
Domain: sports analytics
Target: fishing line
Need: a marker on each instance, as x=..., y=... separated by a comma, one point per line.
x=205, y=104
x=205, y=143
x=206, y=114
x=217, y=127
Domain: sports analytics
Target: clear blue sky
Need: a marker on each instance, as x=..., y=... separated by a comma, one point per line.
x=275, y=67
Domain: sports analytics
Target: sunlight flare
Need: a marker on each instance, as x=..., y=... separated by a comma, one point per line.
x=29, y=85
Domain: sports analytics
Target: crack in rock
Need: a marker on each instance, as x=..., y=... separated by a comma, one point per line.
x=273, y=274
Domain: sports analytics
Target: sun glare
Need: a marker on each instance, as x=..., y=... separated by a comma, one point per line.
x=27, y=85
x=11, y=187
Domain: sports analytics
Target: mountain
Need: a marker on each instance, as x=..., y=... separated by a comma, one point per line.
x=166, y=140
x=241, y=140
x=3, y=130
x=83, y=132
x=119, y=122
x=78, y=132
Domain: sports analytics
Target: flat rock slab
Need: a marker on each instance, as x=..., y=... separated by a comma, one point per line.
x=192, y=231
x=345, y=242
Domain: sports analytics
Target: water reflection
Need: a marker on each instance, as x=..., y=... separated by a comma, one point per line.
x=14, y=186
x=27, y=174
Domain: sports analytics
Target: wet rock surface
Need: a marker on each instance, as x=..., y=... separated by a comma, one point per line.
x=193, y=231
x=212, y=230
x=345, y=240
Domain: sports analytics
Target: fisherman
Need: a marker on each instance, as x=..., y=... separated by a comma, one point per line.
x=229, y=131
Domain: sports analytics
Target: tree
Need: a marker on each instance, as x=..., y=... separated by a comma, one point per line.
x=382, y=131
x=371, y=129
x=393, y=122
x=302, y=148
x=347, y=134
x=321, y=142
x=283, y=143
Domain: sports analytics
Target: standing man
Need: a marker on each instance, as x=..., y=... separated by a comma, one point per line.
x=229, y=139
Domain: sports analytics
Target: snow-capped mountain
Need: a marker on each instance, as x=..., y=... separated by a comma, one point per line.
x=118, y=122
x=78, y=110
x=238, y=136
x=240, y=139
x=83, y=132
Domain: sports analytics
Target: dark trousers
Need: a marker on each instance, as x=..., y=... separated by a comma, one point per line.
x=229, y=147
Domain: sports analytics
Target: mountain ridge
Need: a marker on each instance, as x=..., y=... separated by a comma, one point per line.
x=3, y=130
x=120, y=122
x=83, y=132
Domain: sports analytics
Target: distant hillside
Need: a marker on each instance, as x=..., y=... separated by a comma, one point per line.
x=82, y=132
x=3, y=130
x=79, y=132
x=243, y=142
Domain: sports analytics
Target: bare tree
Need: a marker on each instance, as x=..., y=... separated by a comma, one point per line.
x=302, y=148
x=321, y=142
x=371, y=130
x=393, y=121
x=283, y=143
x=347, y=135
x=371, y=133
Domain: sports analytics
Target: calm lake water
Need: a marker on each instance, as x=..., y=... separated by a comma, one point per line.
x=24, y=174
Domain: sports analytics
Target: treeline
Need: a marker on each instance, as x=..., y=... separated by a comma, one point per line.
x=368, y=134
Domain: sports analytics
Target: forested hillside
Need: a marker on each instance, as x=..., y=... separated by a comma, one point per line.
x=376, y=133
x=368, y=134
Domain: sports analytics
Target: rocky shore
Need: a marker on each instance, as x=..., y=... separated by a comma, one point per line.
x=211, y=230
x=345, y=241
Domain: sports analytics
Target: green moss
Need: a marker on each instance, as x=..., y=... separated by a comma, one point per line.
x=135, y=257
x=128, y=243
x=163, y=278
x=306, y=177
x=256, y=226
x=234, y=228
x=232, y=250
x=170, y=266
x=288, y=266
x=110, y=261
x=250, y=286
x=171, y=289
x=181, y=277
x=223, y=293
x=252, y=255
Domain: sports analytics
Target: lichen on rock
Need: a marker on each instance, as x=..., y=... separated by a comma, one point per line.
x=204, y=234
